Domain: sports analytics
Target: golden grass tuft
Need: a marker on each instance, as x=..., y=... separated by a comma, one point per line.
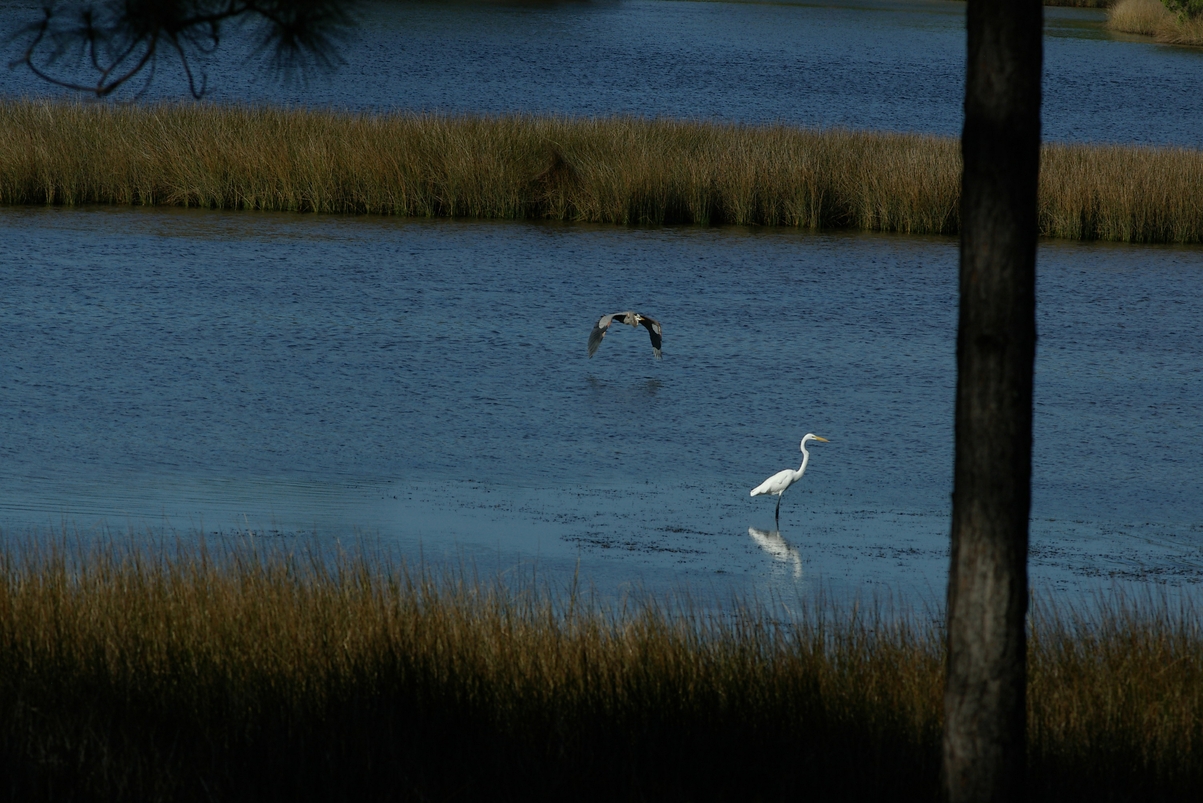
x=141, y=674
x=1182, y=31
x=612, y=170
x=1152, y=18
x=1143, y=17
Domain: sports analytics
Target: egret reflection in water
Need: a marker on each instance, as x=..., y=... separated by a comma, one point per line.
x=772, y=542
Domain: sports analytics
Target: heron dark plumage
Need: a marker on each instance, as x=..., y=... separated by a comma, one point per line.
x=630, y=318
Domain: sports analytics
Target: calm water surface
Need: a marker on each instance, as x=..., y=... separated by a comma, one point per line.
x=894, y=65
x=426, y=384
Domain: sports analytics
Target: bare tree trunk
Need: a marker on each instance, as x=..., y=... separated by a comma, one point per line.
x=984, y=698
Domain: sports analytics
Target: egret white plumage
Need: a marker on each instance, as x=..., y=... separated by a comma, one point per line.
x=779, y=482
x=635, y=319
x=773, y=543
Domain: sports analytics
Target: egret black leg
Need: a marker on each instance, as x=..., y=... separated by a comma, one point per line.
x=777, y=515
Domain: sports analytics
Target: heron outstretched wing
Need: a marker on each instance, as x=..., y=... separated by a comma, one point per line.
x=599, y=331
x=630, y=318
x=653, y=329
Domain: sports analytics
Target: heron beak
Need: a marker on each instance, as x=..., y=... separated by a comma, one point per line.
x=824, y=440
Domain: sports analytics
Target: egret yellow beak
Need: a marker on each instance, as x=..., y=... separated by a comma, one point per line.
x=822, y=439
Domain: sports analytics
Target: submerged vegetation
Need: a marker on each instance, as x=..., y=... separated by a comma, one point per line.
x=609, y=170
x=141, y=674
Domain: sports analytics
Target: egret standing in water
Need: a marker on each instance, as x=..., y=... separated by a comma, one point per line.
x=776, y=484
x=630, y=319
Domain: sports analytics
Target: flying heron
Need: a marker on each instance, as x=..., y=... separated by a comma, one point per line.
x=629, y=318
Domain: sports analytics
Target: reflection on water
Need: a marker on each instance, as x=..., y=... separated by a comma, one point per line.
x=772, y=542
x=209, y=372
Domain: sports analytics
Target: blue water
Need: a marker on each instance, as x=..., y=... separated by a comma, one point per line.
x=892, y=65
x=425, y=385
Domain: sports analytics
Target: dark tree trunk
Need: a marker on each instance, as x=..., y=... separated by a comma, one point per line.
x=984, y=699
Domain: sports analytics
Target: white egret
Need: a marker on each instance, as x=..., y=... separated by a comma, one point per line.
x=773, y=543
x=631, y=319
x=776, y=484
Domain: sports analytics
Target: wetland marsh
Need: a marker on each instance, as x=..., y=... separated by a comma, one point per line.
x=320, y=506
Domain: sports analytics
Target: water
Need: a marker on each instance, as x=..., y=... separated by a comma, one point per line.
x=425, y=385
x=879, y=65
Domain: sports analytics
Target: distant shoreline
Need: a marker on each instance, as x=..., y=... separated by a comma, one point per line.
x=616, y=170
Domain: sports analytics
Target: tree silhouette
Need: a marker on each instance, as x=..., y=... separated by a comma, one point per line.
x=99, y=46
x=985, y=693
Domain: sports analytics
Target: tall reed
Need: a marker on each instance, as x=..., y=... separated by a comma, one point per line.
x=1114, y=694
x=1153, y=18
x=249, y=675
x=610, y=170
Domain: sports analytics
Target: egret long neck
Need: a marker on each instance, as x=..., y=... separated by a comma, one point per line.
x=802, y=468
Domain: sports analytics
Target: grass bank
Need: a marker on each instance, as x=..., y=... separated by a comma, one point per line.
x=1152, y=18
x=266, y=676
x=611, y=170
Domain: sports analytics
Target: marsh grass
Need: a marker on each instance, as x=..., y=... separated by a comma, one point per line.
x=144, y=674
x=1113, y=694
x=1152, y=18
x=1142, y=17
x=610, y=170
x=253, y=677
